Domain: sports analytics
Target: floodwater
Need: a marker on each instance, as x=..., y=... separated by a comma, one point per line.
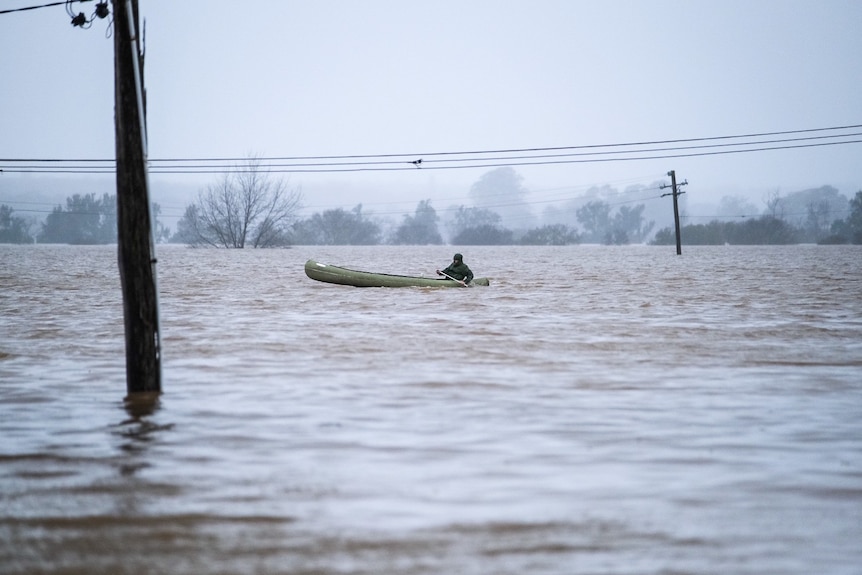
x=597, y=410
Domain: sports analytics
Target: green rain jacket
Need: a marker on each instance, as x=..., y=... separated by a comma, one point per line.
x=459, y=271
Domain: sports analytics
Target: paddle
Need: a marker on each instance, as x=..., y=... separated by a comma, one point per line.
x=462, y=282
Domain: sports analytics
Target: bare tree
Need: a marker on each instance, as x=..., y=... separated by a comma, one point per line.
x=247, y=207
x=775, y=204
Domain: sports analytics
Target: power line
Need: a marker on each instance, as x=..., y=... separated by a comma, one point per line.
x=375, y=167
x=692, y=147
x=475, y=152
x=194, y=168
x=49, y=5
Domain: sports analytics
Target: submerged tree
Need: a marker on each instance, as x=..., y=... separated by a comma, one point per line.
x=754, y=231
x=86, y=219
x=13, y=230
x=850, y=229
x=817, y=221
x=625, y=226
x=502, y=190
x=338, y=227
x=485, y=235
x=161, y=233
x=420, y=228
x=595, y=217
x=550, y=235
x=469, y=218
x=629, y=222
x=246, y=208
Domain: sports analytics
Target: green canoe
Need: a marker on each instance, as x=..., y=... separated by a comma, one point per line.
x=336, y=275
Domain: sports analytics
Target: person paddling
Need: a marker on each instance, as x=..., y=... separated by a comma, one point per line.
x=458, y=270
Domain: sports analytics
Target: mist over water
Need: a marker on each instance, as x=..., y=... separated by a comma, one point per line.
x=595, y=410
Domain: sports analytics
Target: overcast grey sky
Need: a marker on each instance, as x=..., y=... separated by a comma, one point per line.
x=322, y=78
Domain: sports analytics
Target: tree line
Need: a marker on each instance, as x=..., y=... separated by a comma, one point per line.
x=235, y=211
x=248, y=208
x=85, y=220
x=810, y=224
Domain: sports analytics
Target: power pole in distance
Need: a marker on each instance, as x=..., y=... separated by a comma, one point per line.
x=675, y=193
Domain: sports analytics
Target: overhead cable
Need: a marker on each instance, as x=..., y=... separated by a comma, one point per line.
x=67, y=3
x=624, y=152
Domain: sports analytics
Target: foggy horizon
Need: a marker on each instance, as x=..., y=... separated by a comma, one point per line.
x=296, y=80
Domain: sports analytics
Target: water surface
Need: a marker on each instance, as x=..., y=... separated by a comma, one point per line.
x=596, y=410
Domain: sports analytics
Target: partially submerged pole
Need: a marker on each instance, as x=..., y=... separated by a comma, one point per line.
x=672, y=175
x=136, y=250
x=675, y=193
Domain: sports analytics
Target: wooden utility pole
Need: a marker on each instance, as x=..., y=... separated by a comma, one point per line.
x=137, y=258
x=675, y=193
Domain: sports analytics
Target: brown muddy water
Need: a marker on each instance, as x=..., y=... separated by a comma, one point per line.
x=601, y=410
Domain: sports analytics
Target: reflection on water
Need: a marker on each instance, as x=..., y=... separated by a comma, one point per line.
x=597, y=410
x=139, y=430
